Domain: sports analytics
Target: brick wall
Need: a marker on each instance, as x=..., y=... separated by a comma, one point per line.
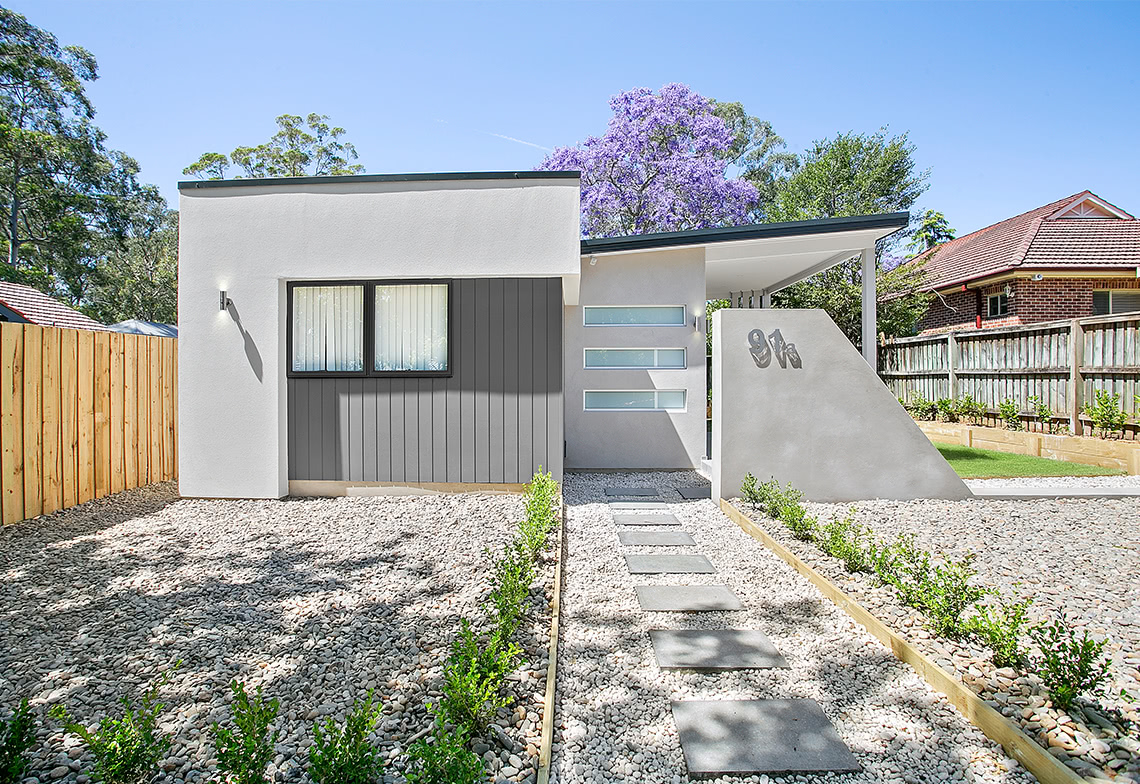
x=1032, y=302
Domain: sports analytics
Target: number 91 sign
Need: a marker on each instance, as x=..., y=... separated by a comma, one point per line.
x=763, y=348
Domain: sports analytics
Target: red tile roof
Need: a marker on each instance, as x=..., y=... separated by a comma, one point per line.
x=39, y=308
x=1035, y=240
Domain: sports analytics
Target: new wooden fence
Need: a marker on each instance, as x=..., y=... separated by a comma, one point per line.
x=1064, y=363
x=82, y=415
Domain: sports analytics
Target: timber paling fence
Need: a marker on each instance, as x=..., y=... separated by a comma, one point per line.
x=1064, y=363
x=83, y=414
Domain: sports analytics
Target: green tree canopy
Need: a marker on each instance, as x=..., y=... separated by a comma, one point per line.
x=856, y=174
x=758, y=152
x=933, y=229
x=61, y=190
x=301, y=147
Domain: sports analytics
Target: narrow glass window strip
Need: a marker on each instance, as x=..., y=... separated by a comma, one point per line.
x=634, y=315
x=635, y=358
x=634, y=400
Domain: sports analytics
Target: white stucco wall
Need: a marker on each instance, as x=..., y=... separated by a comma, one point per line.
x=250, y=240
x=637, y=439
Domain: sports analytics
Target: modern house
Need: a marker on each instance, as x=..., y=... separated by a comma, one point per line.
x=1076, y=257
x=340, y=334
x=21, y=304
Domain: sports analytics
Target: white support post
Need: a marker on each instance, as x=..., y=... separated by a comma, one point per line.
x=870, y=316
x=766, y=300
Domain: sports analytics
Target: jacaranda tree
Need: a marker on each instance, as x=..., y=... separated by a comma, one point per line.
x=660, y=166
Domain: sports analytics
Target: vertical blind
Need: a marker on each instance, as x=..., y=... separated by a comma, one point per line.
x=328, y=328
x=411, y=327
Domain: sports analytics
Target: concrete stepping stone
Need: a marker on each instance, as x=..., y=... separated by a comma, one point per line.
x=693, y=493
x=645, y=518
x=714, y=649
x=631, y=492
x=723, y=737
x=637, y=506
x=687, y=598
x=637, y=538
x=668, y=564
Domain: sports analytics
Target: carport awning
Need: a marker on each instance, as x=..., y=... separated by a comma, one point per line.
x=763, y=258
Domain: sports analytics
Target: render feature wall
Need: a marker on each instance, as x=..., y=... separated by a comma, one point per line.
x=233, y=413
x=637, y=439
x=497, y=419
x=829, y=426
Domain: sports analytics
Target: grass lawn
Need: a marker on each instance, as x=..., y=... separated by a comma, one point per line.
x=971, y=463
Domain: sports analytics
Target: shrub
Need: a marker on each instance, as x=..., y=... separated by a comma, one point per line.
x=844, y=539
x=972, y=409
x=947, y=593
x=748, y=489
x=1069, y=665
x=901, y=564
x=1106, y=413
x=802, y=525
x=245, y=750
x=541, y=501
x=17, y=735
x=1043, y=413
x=1010, y=414
x=473, y=678
x=127, y=750
x=921, y=408
x=443, y=758
x=947, y=409
x=513, y=575
x=999, y=628
x=344, y=755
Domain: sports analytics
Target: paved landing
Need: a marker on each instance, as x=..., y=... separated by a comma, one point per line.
x=687, y=598
x=655, y=538
x=714, y=649
x=645, y=518
x=631, y=492
x=668, y=564
x=758, y=736
x=693, y=493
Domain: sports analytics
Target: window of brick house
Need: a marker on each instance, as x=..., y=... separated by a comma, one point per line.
x=997, y=305
x=1115, y=301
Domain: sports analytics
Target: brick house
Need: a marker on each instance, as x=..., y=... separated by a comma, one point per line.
x=1079, y=256
x=25, y=305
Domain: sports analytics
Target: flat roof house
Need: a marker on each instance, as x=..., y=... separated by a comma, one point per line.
x=340, y=333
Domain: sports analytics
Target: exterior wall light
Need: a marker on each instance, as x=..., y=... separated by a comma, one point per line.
x=1039, y=276
x=594, y=261
x=223, y=301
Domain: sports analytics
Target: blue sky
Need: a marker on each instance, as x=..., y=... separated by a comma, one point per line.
x=1010, y=105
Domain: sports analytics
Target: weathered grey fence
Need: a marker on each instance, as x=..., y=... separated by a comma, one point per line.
x=1064, y=363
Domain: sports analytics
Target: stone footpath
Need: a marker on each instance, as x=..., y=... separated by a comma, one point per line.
x=690, y=650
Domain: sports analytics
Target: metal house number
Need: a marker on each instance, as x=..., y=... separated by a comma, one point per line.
x=763, y=348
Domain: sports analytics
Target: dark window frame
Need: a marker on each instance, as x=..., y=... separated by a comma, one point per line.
x=369, y=327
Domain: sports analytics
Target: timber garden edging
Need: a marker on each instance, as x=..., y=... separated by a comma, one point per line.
x=1044, y=766
x=1118, y=454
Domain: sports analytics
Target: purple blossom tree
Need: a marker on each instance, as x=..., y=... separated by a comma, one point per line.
x=660, y=166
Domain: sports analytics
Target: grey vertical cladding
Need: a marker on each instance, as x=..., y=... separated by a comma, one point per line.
x=496, y=419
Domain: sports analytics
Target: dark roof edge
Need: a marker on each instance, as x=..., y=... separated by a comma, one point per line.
x=896, y=220
x=350, y=178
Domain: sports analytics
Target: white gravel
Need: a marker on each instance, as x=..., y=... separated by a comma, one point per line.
x=1124, y=482
x=614, y=721
x=318, y=600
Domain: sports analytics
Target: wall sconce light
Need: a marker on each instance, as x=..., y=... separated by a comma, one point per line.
x=223, y=301
x=698, y=323
x=1038, y=276
x=594, y=261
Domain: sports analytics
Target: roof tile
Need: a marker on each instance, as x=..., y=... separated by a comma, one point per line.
x=39, y=308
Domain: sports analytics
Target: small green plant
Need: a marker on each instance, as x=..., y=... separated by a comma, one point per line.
x=443, y=758
x=1069, y=665
x=1106, y=414
x=845, y=539
x=541, y=518
x=473, y=678
x=923, y=409
x=947, y=594
x=749, y=490
x=127, y=750
x=513, y=575
x=245, y=749
x=17, y=735
x=1010, y=414
x=999, y=627
x=971, y=409
x=1043, y=413
x=947, y=409
x=802, y=525
x=343, y=754
x=901, y=564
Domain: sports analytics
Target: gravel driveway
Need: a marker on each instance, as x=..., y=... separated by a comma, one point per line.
x=614, y=721
x=319, y=600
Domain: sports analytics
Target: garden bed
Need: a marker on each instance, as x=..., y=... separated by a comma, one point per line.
x=317, y=600
x=1081, y=558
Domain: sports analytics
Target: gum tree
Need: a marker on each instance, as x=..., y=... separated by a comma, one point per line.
x=660, y=166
